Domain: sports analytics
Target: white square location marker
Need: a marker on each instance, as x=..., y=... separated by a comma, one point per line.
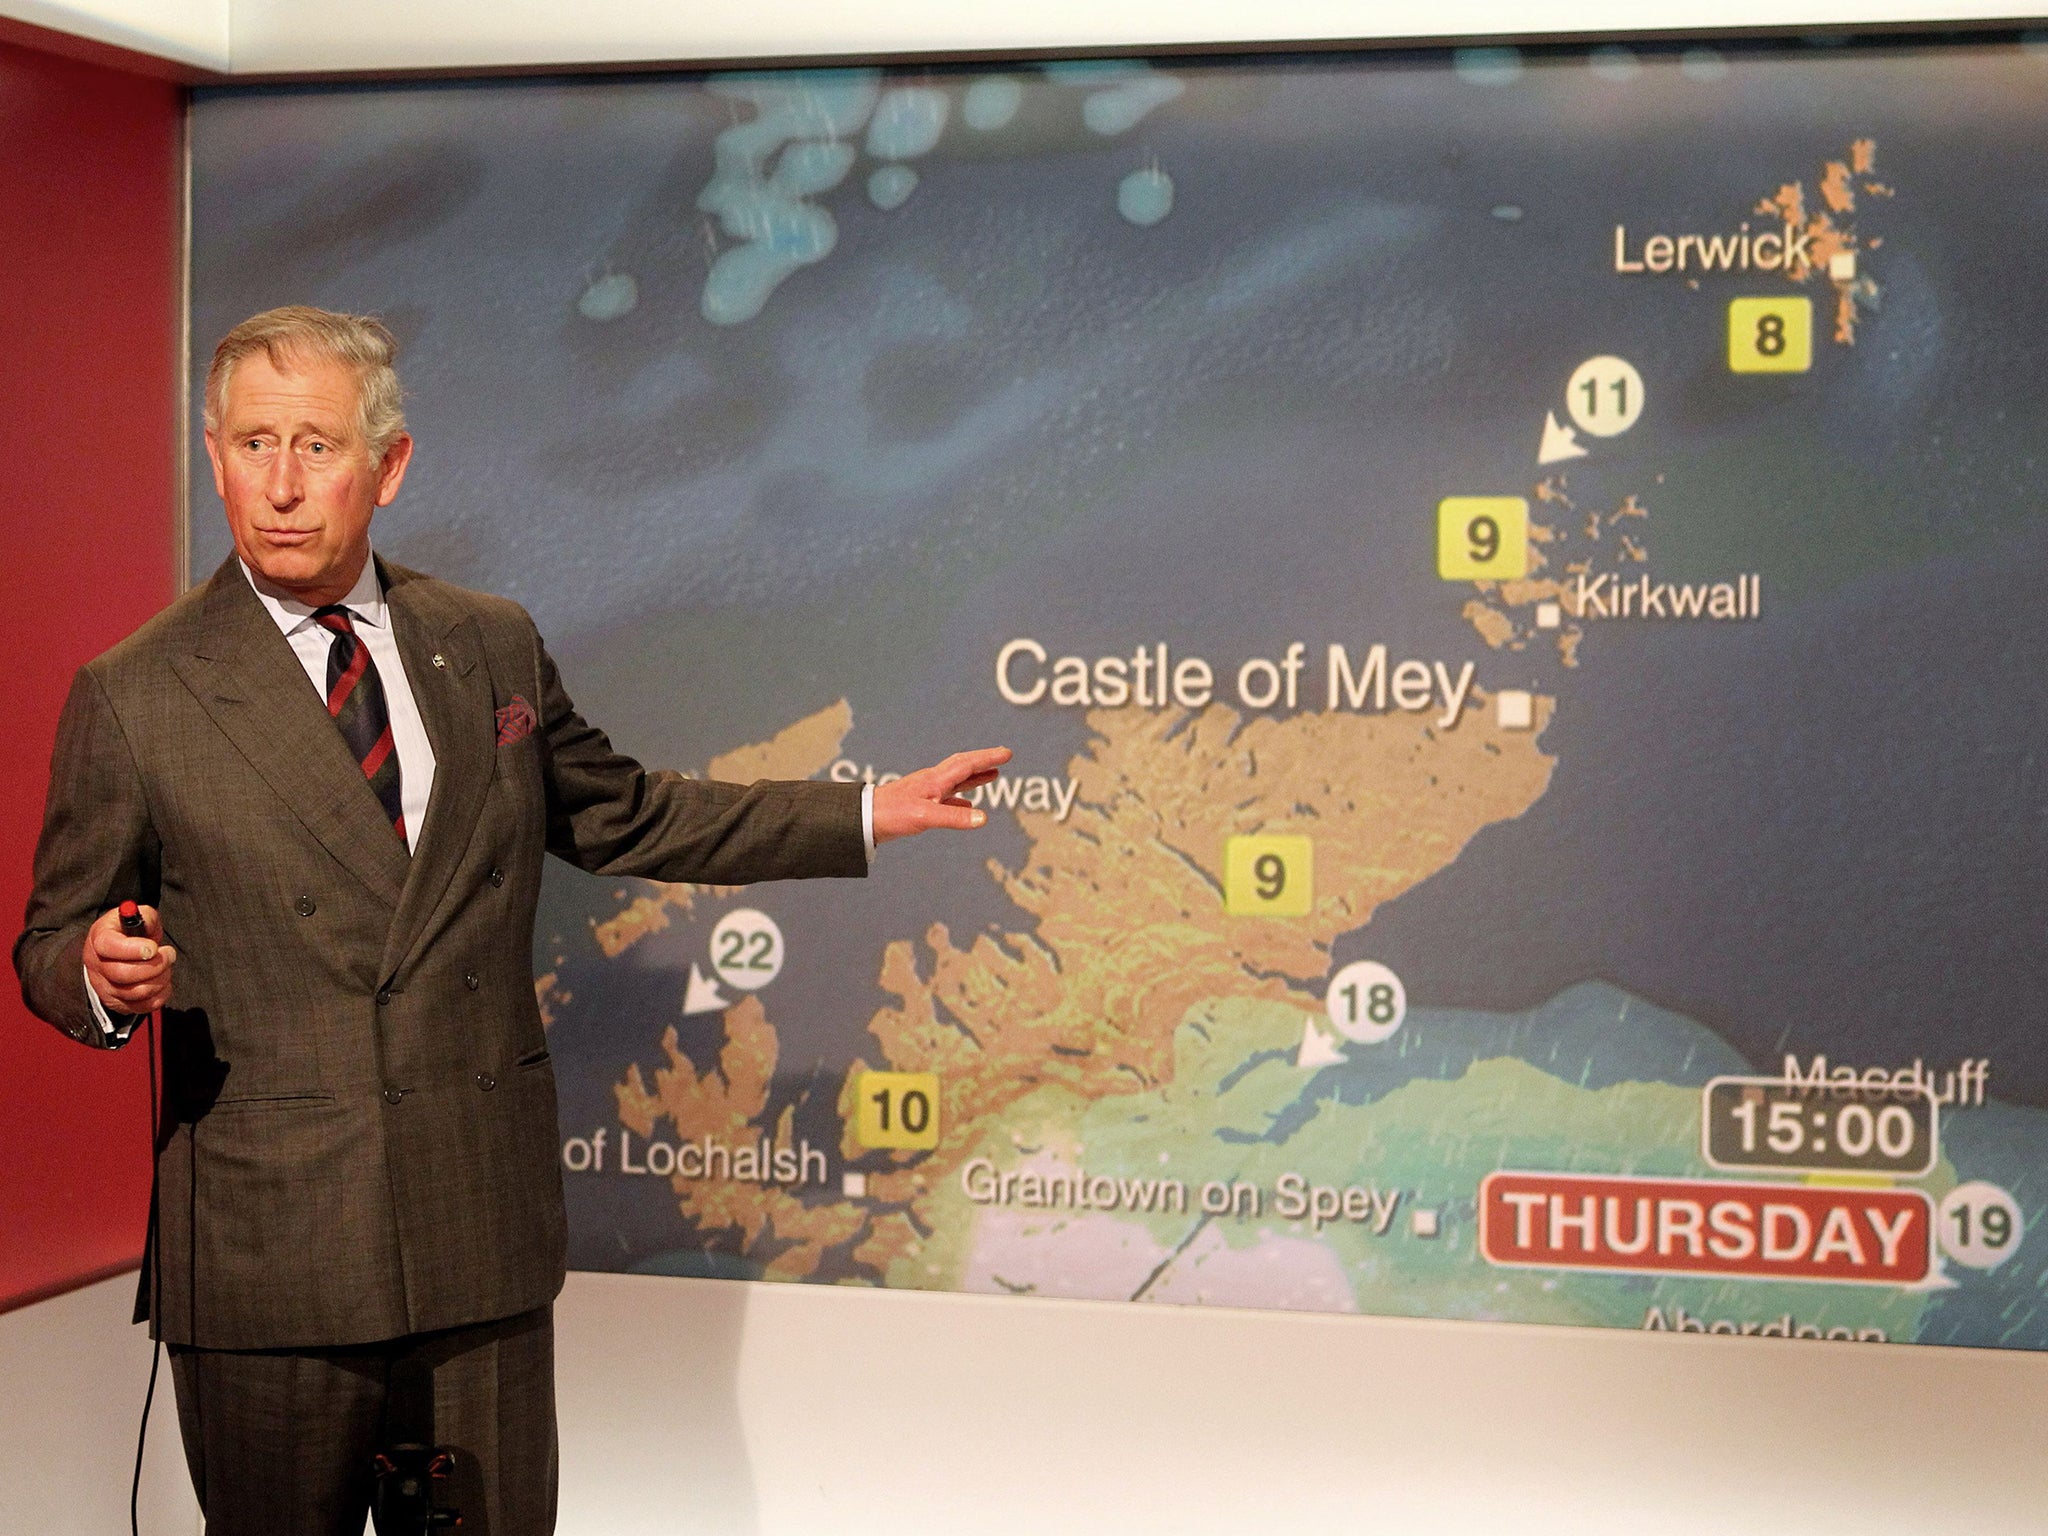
x=1423, y=1223
x=854, y=1186
x=1513, y=710
x=1548, y=615
x=1842, y=267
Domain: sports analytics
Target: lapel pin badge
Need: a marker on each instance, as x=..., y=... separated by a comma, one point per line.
x=440, y=661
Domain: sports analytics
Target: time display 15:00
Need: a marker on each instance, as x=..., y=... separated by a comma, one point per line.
x=1759, y=1122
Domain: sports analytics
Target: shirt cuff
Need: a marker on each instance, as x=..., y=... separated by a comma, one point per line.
x=118, y=1033
x=867, y=821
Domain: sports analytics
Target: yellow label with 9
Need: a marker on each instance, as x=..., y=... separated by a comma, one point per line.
x=1482, y=538
x=897, y=1109
x=1268, y=876
x=1770, y=335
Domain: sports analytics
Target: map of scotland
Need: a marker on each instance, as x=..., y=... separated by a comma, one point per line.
x=1528, y=795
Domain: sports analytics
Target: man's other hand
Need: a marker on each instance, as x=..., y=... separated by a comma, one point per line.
x=129, y=974
x=936, y=796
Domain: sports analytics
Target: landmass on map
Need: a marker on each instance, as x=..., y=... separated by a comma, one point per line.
x=1582, y=542
x=1832, y=232
x=1130, y=935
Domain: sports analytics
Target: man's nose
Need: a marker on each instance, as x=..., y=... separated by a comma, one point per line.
x=285, y=483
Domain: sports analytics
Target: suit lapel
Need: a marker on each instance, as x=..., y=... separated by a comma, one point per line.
x=444, y=663
x=245, y=676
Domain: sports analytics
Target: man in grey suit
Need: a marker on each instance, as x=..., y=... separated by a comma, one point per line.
x=330, y=782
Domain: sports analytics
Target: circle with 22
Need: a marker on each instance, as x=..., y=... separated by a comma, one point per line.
x=746, y=949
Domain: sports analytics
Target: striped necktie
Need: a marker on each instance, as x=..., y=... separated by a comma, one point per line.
x=355, y=698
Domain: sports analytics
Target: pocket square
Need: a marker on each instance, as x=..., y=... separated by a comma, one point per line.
x=516, y=721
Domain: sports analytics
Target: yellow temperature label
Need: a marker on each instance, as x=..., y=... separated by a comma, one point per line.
x=1770, y=335
x=1482, y=538
x=897, y=1109
x=1268, y=876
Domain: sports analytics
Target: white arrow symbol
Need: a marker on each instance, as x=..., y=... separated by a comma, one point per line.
x=1559, y=442
x=702, y=995
x=1316, y=1048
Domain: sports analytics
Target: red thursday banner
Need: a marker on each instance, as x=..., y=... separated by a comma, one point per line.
x=1705, y=1227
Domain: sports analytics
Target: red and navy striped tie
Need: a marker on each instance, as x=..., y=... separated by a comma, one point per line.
x=355, y=698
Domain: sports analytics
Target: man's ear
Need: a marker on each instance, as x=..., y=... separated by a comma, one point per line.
x=391, y=471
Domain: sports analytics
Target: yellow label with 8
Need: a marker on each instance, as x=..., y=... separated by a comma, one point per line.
x=1770, y=335
x=1482, y=538
x=897, y=1109
x=1268, y=876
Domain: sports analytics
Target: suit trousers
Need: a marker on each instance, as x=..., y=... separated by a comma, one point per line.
x=281, y=1442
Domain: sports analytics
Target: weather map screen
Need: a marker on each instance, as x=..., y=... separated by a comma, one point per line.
x=1513, y=579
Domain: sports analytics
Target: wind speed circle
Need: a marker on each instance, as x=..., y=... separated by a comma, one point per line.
x=746, y=949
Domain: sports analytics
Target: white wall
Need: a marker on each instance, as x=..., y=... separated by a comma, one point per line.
x=696, y=1406
x=285, y=36
x=784, y=1410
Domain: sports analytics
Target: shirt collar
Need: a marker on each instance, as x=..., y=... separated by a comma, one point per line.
x=365, y=600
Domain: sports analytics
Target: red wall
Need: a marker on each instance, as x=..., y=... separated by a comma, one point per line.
x=90, y=227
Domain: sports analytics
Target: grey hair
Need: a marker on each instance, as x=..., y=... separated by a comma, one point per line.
x=299, y=331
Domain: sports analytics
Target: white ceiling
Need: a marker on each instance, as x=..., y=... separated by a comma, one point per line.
x=302, y=36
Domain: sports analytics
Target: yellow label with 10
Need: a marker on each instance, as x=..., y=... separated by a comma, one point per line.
x=897, y=1109
x=1770, y=335
x=1268, y=876
x=1482, y=538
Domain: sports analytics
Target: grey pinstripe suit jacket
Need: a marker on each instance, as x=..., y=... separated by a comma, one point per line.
x=360, y=1140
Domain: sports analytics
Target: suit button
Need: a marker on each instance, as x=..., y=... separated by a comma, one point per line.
x=485, y=1081
x=497, y=877
x=383, y=996
x=392, y=1095
x=304, y=906
x=472, y=981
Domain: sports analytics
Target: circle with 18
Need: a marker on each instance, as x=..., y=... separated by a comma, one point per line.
x=1366, y=1001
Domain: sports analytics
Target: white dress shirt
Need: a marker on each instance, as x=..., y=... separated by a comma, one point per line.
x=370, y=616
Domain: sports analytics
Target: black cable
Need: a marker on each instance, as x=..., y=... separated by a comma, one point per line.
x=154, y=1260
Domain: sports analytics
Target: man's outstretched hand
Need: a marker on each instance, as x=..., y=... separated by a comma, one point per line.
x=935, y=797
